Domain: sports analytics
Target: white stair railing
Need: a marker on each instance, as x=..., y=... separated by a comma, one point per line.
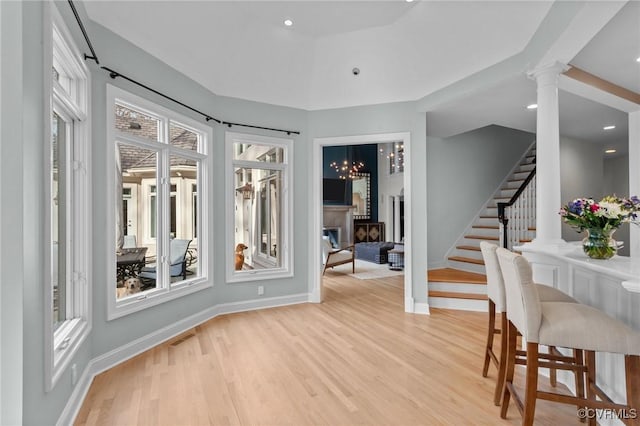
x=518, y=216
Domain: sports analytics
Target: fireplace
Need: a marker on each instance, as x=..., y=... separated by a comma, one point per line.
x=338, y=223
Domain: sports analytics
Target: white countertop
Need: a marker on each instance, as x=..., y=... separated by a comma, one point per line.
x=621, y=267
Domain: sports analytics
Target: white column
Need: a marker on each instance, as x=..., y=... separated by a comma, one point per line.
x=634, y=178
x=548, y=198
x=396, y=218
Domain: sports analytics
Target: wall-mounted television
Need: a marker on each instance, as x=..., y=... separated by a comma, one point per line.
x=334, y=191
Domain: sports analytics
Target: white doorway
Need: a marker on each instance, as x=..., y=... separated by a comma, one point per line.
x=315, y=250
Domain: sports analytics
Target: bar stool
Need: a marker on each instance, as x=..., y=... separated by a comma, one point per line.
x=497, y=301
x=569, y=325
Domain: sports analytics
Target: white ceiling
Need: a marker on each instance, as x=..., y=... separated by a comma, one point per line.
x=405, y=51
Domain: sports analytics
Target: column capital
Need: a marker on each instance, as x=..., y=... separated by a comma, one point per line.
x=544, y=72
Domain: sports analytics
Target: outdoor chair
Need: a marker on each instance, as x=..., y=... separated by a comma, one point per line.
x=178, y=256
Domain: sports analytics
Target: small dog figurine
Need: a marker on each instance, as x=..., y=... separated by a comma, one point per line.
x=240, y=248
x=131, y=286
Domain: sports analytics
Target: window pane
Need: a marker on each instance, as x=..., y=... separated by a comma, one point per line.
x=264, y=153
x=258, y=219
x=183, y=209
x=59, y=148
x=136, y=123
x=136, y=227
x=183, y=138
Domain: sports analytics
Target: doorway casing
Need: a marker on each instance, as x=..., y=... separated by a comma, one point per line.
x=315, y=250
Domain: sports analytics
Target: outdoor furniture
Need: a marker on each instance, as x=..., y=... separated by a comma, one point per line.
x=333, y=257
x=178, y=256
x=129, y=262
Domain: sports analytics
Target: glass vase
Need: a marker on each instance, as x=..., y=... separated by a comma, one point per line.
x=599, y=244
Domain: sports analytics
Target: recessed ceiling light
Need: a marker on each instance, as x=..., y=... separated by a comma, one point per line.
x=638, y=60
x=288, y=22
x=610, y=151
x=409, y=1
x=609, y=127
x=532, y=106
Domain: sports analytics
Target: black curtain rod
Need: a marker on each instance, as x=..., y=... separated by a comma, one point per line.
x=115, y=74
x=84, y=33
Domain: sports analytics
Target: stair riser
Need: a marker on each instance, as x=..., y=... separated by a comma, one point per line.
x=469, y=267
x=458, y=304
x=514, y=185
x=485, y=232
x=487, y=222
x=507, y=193
x=468, y=253
x=520, y=175
x=526, y=167
x=459, y=288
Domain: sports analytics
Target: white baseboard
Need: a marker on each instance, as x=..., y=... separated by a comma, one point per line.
x=116, y=356
x=421, y=308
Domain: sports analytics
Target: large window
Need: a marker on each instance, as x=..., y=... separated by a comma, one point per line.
x=159, y=203
x=67, y=207
x=258, y=192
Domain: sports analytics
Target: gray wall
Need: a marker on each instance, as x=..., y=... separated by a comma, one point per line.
x=390, y=118
x=11, y=210
x=139, y=65
x=581, y=169
x=463, y=171
x=45, y=408
x=616, y=181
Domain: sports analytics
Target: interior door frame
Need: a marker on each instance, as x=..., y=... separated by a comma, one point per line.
x=315, y=249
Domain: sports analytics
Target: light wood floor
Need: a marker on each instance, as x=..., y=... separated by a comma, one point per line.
x=357, y=358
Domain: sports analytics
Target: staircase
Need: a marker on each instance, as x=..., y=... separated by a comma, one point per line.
x=463, y=284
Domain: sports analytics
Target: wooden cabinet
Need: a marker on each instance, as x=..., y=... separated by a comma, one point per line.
x=368, y=232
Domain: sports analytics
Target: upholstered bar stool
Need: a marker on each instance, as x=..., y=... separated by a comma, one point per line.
x=569, y=325
x=497, y=302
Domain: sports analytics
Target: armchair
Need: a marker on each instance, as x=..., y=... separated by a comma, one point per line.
x=336, y=257
x=178, y=267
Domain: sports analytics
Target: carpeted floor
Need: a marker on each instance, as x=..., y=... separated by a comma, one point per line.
x=365, y=270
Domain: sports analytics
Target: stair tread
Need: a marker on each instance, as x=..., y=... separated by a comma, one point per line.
x=516, y=180
x=526, y=240
x=486, y=226
x=466, y=259
x=472, y=248
x=451, y=275
x=482, y=237
x=488, y=217
x=456, y=295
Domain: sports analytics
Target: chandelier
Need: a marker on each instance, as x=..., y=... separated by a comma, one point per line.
x=346, y=171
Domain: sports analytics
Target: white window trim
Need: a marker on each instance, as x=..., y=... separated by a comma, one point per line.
x=153, y=297
x=61, y=344
x=286, y=167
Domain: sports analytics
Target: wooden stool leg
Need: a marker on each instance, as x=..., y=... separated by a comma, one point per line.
x=531, y=386
x=632, y=373
x=590, y=362
x=490, y=332
x=512, y=339
x=579, y=375
x=502, y=367
x=553, y=376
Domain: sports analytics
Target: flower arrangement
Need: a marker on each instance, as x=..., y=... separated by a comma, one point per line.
x=600, y=219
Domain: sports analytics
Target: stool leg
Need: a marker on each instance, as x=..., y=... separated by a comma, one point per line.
x=579, y=375
x=553, y=376
x=490, y=332
x=632, y=373
x=590, y=362
x=502, y=367
x=531, y=386
x=512, y=337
